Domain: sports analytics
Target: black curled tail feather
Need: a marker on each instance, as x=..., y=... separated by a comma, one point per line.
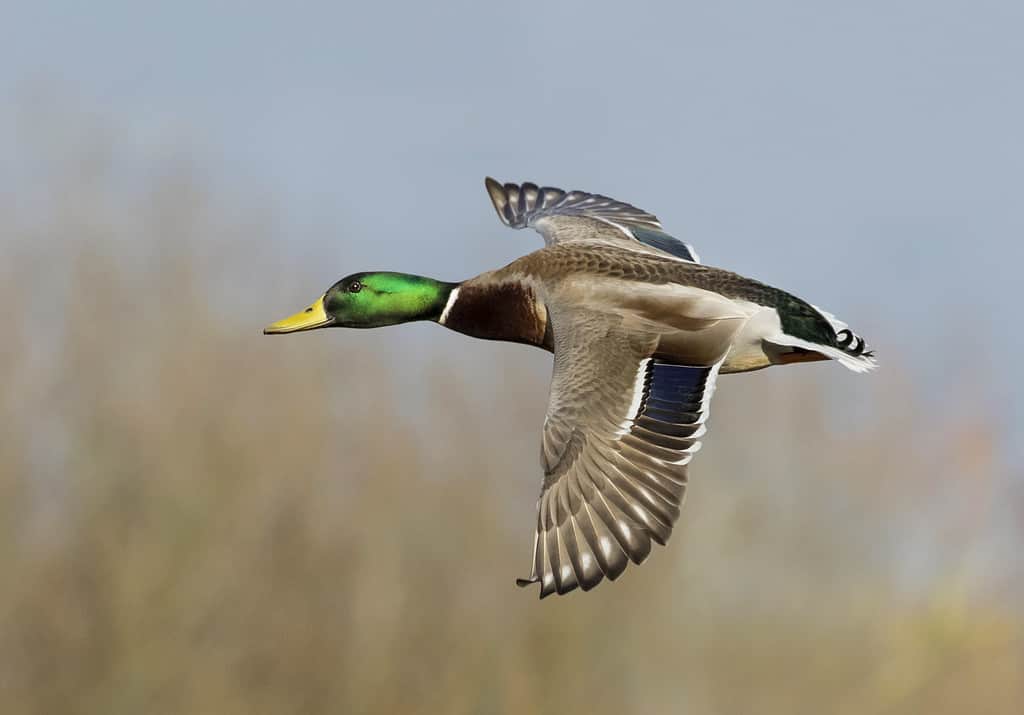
x=852, y=344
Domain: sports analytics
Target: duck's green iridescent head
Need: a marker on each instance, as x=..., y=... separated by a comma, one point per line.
x=370, y=300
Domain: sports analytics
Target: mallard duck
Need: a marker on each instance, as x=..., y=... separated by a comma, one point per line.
x=640, y=330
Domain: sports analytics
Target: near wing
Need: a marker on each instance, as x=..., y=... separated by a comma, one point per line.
x=620, y=430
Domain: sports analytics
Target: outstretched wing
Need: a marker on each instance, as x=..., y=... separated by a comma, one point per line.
x=619, y=434
x=576, y=215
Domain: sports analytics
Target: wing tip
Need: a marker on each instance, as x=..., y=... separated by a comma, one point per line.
x=551, y=589
x=499, y=199
x=492, y=184
x=508, y=201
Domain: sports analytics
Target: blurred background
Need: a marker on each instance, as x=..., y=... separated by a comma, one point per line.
x=195, y=518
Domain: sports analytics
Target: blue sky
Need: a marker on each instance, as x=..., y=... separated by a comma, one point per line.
x=867, y=156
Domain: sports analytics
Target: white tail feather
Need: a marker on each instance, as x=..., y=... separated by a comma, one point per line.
x=857, y=363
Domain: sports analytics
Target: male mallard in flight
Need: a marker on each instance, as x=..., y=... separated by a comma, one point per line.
x=639, y=330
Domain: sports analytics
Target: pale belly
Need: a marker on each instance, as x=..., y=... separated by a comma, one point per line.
x=745, y=360
x=748, y=348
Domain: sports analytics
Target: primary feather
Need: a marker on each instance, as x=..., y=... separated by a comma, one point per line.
x=577, y=215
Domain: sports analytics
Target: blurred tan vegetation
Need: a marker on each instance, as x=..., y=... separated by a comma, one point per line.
x=195, y=518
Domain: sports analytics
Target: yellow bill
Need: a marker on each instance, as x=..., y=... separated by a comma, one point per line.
x=312, y=317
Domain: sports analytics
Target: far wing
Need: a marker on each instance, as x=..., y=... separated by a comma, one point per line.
x=576, y=215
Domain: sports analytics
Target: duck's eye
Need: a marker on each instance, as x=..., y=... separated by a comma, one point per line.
x=355, y=287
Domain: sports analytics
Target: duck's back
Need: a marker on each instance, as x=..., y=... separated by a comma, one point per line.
x=781, y=326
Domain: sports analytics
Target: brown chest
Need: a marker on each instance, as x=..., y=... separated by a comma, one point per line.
x=503, y=310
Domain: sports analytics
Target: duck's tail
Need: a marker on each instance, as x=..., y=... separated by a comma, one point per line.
x=843, y=345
